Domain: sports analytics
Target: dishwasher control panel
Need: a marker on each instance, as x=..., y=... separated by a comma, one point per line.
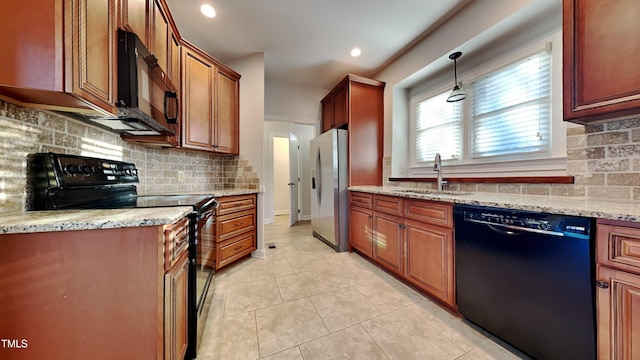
x=559, y=225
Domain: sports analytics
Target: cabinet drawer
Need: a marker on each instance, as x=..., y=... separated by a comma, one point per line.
x=176, y=242
x=619, y=247
x=429, y=212
x=231, y=204
x=360, y=199
x=236, y=224
x=235, y=248
x=388, y=204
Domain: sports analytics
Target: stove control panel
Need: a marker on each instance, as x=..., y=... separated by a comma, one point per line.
x=64, y=171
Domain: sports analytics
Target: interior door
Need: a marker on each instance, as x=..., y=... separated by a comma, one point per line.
x=294, y=179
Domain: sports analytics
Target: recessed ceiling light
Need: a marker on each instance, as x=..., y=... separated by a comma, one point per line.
x=208, y=10
x=355, y=52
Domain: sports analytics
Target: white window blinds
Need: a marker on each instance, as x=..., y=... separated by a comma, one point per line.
x=511, y=108
x=438, y=129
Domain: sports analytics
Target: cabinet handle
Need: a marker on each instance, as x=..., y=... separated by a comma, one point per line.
x=602, y=284
x=237, y=247
x=171, y=118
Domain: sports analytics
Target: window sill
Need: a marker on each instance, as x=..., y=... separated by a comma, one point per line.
x=495, y=180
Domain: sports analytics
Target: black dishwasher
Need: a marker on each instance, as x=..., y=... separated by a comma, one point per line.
x=528, y=278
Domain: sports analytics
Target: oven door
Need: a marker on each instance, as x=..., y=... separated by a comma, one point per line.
x=204, y=259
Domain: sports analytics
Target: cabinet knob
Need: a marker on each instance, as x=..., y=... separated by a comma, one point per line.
x=602, y=284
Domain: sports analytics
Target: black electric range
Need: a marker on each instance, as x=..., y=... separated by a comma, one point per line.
x=67, y=182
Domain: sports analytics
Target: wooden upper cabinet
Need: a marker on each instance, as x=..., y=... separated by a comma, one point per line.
x=160, y=34
x=335, y=108
x=173, y=71
x=210, y=103
x=133, y=17
x=197, y=99
x=357, y=104
x=94, y=52
x=328, y=110
x=48, y=64
x=601, y=72
x=341, y=110
x=227, y=123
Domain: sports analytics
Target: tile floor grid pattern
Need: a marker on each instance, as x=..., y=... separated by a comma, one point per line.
x=305, y=301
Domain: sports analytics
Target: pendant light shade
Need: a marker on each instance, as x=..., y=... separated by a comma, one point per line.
x=457, y=93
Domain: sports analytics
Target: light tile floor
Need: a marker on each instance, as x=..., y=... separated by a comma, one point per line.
x=306, y=301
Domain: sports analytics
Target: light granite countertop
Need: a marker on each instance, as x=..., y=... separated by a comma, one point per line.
x=625, y=210
x=67, y=220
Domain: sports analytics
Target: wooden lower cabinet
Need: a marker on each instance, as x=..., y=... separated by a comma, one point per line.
x=176, y=310
x=388, y=241
x=98, y=294
x=618, y=290
x=235, y=227
x=360, y=230
x=411, y=238
x=429, y=259
x=235, y=248
x=618, y=320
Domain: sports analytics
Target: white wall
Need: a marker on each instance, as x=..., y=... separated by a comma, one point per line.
x=281, y=191
x=292, y=102
x=481, y=23
x=251, y=124
x=304, y=133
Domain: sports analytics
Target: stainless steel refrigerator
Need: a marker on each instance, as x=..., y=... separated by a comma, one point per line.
x=329, y=211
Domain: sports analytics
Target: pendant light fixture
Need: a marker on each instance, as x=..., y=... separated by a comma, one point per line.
x=456, y=94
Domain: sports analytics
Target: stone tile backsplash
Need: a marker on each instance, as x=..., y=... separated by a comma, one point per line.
x=603, y=158
x=24, y=131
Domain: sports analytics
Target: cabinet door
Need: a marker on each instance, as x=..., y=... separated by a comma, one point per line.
x=387, y=241
x=175, y=311
x=197, y=101
x=227, y=120
x=94, y=52
x=174, y=60
x=328, y=109
x=133, y=17
x=429, y=259
x=341, y=104
x=600, y=69
x=618, y=320
x=365, y=133
x=360, y=230
x=160, y=35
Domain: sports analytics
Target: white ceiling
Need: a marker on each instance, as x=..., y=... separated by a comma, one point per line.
x=308, y=42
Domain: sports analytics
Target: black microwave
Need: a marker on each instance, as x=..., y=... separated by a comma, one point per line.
x=147, y=101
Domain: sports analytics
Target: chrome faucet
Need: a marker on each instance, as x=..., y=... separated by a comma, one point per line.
x=437, y=166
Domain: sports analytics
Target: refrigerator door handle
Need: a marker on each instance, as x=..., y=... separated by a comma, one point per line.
x=319, y=176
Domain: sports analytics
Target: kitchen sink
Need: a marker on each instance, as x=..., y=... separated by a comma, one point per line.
x=432, y=192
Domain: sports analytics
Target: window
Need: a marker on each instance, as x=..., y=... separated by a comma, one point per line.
x=511, y=108
x=438, y=128
x=505, y=121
